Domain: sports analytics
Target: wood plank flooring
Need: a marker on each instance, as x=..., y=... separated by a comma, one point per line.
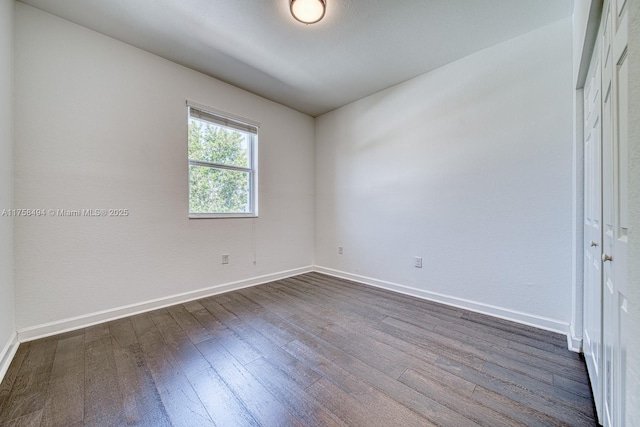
x=311, y=350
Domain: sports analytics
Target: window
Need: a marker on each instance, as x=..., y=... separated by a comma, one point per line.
x=222, y=171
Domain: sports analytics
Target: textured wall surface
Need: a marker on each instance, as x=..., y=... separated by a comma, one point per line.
x=468, y=167
x=7, y=300
x=103, y=125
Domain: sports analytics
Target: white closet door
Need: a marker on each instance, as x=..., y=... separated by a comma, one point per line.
x=615, y=212
x=592, y=334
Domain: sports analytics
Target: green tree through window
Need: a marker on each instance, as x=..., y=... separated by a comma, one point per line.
x=220, y=169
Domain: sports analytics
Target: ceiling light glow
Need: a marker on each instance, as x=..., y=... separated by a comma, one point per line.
x=308, y=11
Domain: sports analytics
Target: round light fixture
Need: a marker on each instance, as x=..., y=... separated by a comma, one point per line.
x=308, y=11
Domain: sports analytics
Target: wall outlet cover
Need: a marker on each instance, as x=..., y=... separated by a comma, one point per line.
x=418, y=262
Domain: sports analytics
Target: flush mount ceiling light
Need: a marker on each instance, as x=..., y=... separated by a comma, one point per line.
x=308, y=11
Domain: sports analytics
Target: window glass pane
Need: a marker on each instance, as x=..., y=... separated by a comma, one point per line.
x=213, y=190
x=213, y=143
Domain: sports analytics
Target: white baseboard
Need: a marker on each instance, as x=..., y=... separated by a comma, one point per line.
x=491, y=310
x=573, y=342
x=6, y=356
x=70, y=324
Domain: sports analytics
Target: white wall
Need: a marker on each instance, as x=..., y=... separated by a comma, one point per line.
x=633, y=338
x=7, y=300
x=100, y=124
x=469, y=167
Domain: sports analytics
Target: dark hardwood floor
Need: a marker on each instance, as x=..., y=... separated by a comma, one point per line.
x=306, y=351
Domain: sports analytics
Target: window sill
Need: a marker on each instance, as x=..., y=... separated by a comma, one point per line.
x=220, y=216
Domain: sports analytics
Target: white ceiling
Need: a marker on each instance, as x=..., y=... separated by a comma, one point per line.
x=359, y=48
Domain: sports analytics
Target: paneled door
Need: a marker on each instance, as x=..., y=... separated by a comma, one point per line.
x=592, y=334
x=606, y=229
x=615, y=213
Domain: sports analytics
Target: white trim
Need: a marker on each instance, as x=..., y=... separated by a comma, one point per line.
x=577, y=226
x=6, y=356
x=70, y=324
x=491, y=310
x=221, y=215
x=573, y=342
x=73, y=323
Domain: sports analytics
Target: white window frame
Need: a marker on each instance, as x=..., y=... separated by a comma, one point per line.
x=248, y=127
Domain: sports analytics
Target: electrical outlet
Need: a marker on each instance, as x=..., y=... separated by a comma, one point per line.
x=225, y=259
x=418, y=262
x=340, y=250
